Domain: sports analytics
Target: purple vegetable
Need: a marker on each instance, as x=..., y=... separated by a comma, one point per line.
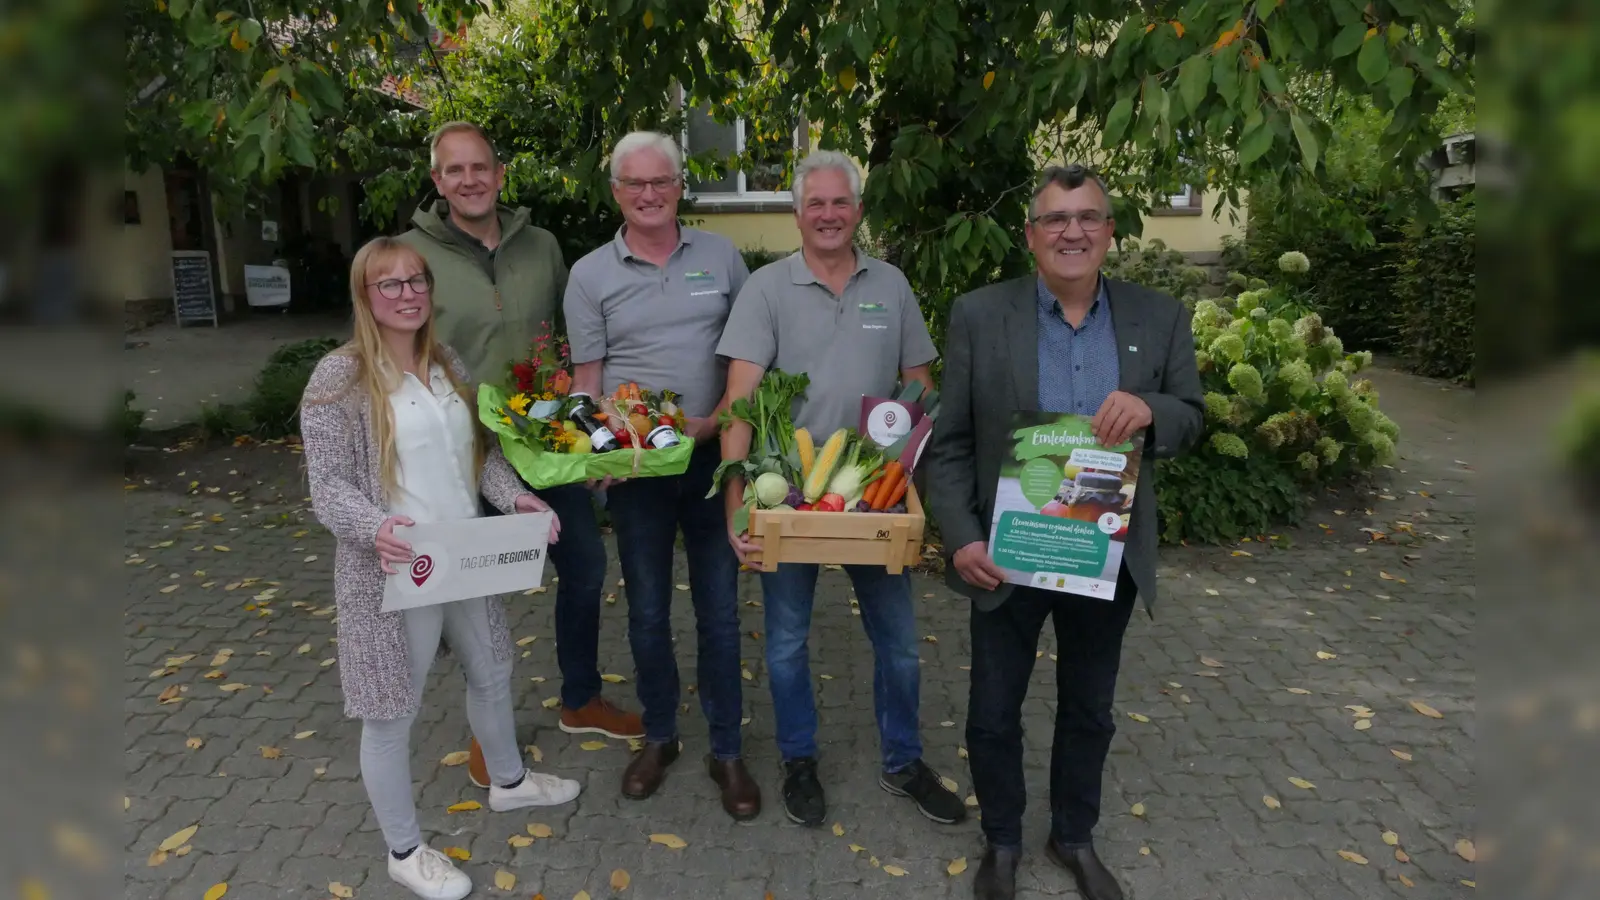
x=862, y=506
x=897, y=508
x=795, y=498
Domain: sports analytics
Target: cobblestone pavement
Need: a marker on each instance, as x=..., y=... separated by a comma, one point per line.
x=1246, y=679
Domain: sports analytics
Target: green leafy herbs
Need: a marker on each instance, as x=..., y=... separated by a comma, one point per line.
x=769, y=411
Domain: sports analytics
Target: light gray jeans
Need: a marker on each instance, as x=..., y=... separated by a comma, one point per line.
x=386, y=743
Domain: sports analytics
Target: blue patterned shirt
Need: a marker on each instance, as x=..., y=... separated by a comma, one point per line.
x=1078, y=367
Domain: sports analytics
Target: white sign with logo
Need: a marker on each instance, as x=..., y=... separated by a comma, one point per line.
x=469, y=558
x=266, y=285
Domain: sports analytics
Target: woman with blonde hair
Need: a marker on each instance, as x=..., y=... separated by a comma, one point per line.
x=391, y=439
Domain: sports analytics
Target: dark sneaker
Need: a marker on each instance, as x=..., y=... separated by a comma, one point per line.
x=802, y=792
x=923, y=786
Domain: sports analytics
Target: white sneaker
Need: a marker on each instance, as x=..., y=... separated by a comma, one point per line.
x=430, y=875
x=536, y=789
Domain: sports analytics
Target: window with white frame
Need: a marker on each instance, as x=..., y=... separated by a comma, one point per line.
x=1183, y=199
x=772, y=145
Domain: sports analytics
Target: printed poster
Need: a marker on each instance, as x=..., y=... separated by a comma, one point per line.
x=1063, y=505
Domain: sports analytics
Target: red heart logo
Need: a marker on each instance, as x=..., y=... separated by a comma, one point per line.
x=421, y=568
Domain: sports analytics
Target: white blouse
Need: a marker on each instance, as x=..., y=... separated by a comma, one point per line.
x=433, y=430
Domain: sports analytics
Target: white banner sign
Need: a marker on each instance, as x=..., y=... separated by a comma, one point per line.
x=266, y=285
x=469, y=558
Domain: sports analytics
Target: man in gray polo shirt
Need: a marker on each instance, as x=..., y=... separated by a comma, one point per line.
x=649, y=307
x=851, y=323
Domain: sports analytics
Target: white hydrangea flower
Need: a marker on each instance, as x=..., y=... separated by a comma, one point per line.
x=1294, y=262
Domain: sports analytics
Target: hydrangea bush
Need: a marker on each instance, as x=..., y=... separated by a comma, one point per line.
x=1286, y=409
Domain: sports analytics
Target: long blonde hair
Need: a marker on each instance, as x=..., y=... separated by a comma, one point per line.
x=378, y=373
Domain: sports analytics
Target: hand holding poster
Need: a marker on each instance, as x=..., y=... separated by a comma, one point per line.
x=1063, y=505
x=469, y=558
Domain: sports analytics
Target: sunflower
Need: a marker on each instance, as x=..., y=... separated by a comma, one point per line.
x=519, y=403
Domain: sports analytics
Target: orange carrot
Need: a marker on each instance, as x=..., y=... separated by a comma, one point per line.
x=873, y=490
x=893, y=477
x=899, y=492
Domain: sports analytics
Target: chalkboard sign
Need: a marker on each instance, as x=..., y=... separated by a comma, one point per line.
x=194, y=297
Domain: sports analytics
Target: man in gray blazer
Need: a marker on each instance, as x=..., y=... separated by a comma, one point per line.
x=1064, y=340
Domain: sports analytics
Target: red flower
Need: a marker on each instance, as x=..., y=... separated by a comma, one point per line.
x=524, y=375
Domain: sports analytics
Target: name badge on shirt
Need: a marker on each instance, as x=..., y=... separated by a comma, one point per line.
x=874, y=316
x=701, y=283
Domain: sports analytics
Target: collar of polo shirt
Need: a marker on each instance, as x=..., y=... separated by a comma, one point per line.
x=621, y=241
x=801, y=273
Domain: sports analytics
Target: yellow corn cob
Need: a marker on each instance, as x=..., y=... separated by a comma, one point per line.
x=822, y=470
x=808, y=451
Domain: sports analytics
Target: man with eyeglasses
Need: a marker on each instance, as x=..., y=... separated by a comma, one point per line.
x=648, y=307
x=498, y=280
x=1073, y=341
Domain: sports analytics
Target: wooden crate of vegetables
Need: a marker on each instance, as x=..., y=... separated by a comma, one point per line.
x=841, y=502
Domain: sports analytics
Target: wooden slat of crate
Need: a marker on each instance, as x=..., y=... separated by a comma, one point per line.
x=891, y=540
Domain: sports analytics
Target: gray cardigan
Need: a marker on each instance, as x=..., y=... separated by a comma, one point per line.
x=342, y=464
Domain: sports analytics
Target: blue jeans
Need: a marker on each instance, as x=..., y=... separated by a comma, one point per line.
x=580, y=561
x=647, y=514
x=891, y=626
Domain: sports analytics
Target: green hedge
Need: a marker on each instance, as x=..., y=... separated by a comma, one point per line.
x=1353, y=289
x=273, y=408
x=1437, y=292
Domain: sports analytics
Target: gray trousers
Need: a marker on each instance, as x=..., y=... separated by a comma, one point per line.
x=386, y=743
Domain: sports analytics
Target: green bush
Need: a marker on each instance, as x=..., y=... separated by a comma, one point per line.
x=273, y=409
x=1282, y=407
x=223, y=421
x=1437, y=290
x=755, y=259
x=1209, y=497
x=1155, y=266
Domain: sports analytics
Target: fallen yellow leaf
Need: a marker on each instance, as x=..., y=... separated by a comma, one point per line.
x=457, y=853
x=613, y=678
x=271, y=752
x=1466, y=850
x=670, y=841
x=1385, y=576
x=1406, y=881
x=856, y=848
x=1301, y=783
x=551, y=702
x=745, y=674
x=456, y=758
x=838, y=830
x=1401, y=856
x=874, y=861
x=1138, y=717
x=523, y=642
x=341, y=891
x=303, y=649
x=1208, y=661
x=303, y=735
x=540, y=830
x=972, y=800
x=620, y=879
x=1356, y=858
x=504, y=880
x=216, y=891
x=179, y=839
x=1323, y=654
x=1138, y=810
x=194, y=743
x=1271, y=802
x=520, y=840
x=230, y=688
x=1426, y=710
x=1363, y=724
x=581, y=895
x=593, y=745
x=220, y=548
x=957, y=865
x=1144, y=851
x=156, y=858
x=1298, y=691
x=896, y=871
x=1401, y=755
x=170, y=588
x=464, y=806
x=1465, y=882
x=178, y=660
x=961, y=752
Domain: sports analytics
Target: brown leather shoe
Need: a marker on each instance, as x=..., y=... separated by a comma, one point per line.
x=741, y=796
x=648, y=769
x=599, y=716
x=477, y=768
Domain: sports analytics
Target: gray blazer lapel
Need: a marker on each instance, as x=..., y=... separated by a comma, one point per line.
x=1022, y=344
x=1128, y=322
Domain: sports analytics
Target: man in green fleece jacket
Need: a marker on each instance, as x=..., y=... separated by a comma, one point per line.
x=498, y=283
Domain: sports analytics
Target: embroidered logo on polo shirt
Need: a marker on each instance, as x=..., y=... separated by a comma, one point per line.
x=701, y=283
x=873, y=316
